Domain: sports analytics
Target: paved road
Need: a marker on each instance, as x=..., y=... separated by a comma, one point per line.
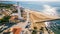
x=21, y=25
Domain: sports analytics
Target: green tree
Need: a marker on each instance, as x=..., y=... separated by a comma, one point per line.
x=35, y=30
x=5, y=19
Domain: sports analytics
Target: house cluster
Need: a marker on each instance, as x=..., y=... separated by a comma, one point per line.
x=13, y=12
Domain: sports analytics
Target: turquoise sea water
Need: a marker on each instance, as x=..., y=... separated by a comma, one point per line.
x=36, y=5
x=55, y=25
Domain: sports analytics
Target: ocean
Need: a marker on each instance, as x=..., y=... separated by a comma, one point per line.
x=39, y=6
x=52, y=8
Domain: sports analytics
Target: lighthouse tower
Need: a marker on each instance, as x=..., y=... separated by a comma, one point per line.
x=19, y=12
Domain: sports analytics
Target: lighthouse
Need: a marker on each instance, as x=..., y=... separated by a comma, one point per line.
x=19, y=12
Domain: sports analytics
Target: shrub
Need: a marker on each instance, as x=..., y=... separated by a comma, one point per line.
x=34, y=32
